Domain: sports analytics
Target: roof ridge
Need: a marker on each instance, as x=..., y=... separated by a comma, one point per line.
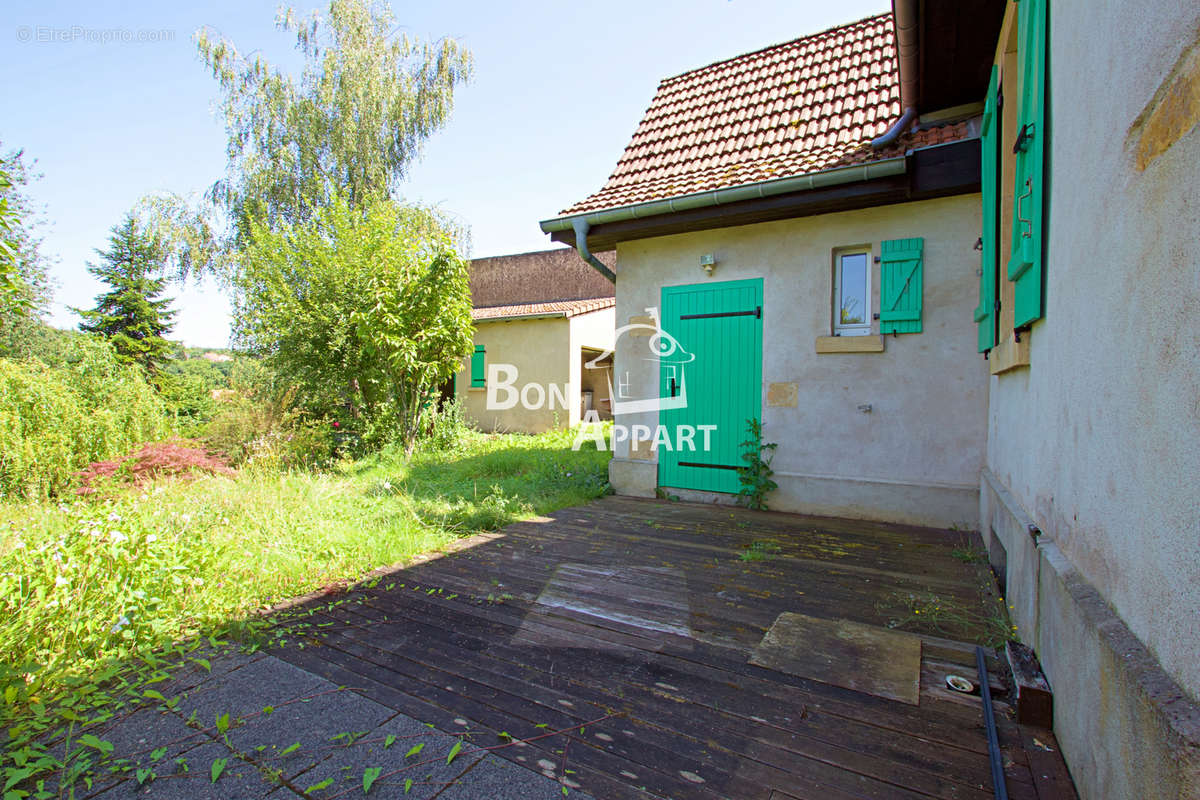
x=776, y=46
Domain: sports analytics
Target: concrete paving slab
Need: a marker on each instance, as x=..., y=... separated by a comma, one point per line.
x=249, y=688
x=136, y=739
x=496, y=779
x=427, y=769
x=191, y=673
x=305, y=709
x=315, y=724
x=238, y=781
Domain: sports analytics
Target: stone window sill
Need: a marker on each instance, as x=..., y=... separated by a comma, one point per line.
x=850, y=344
x=1009, y=354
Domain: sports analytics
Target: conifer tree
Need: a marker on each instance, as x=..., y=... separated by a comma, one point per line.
x=132, y=314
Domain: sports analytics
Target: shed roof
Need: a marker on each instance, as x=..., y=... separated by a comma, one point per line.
x=537, y=277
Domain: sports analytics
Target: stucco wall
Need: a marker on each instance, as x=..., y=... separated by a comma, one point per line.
x=540, y=350
x=1099, y=439
x=594, y=331
x=545, y=351
x=916, y=456
x=1097, y=442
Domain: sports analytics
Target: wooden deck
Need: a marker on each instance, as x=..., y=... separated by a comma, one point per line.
x=644, y=615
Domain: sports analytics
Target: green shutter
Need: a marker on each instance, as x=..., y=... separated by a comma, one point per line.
x=1029, y=189
x=985, y=314
x=901, y=286
x=478, y=371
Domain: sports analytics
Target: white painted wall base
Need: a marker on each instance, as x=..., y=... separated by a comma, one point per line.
x=1126, y=728
x=910, y=503
x=633, y=477
x=926, y=505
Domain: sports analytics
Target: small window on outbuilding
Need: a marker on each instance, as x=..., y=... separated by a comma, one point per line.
x=852, y=292
x=478, y=368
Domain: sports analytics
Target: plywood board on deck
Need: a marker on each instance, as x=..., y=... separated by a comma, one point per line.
x=865, y=658
x=648, y=604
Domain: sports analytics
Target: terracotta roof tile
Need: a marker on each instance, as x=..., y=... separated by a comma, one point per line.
x=566, y=308
x=804, y=106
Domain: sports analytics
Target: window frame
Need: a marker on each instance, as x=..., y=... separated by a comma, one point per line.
x=866, y=327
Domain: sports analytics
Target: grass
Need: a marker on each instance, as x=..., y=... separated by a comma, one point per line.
x=969, y=554
x=986, y=624
x=93, y=589
x=761, y=550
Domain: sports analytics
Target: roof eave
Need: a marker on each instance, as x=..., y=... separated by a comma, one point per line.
x=853, y=173
x=951, y=168
x=567, y=313
x=512, y=317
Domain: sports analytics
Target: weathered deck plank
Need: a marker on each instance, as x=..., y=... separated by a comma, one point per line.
x=645, y=611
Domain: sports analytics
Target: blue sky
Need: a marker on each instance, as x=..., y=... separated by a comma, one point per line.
x=559, y=88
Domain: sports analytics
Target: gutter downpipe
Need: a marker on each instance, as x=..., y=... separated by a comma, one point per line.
x=905, y=14
x=582, y=226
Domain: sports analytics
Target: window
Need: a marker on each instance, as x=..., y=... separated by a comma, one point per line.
x=852, y=293
x=478, y=371
x=1014, y=138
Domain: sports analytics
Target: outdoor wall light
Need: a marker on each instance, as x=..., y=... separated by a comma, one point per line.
x=708, y=263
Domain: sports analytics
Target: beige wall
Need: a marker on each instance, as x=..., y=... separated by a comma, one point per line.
x=1098, y=440
x=540, y=350
x=545, y=351
x=916, y=456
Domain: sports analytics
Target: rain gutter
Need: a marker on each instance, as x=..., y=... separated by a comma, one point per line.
x=715, y=197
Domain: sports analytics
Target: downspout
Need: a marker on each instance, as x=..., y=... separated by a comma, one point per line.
x=905, y=14
x=899, y=127
x=582, y=227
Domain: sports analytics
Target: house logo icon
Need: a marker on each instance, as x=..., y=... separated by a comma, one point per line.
x=660, y=347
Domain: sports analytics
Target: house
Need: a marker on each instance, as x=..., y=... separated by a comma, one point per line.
x=539, y=318
x=1087, y=314
x=819, y=266
x=947, y=256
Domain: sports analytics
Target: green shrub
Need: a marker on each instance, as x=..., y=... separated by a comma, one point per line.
x=445, y=428
x=56, y=418
x=187, y=399
x=256, y=408
x=302, y=444
x=269, y=433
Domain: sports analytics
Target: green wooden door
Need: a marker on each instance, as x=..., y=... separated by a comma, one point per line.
x=719, y=326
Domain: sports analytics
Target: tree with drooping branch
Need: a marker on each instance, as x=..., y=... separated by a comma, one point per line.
x=365, y=102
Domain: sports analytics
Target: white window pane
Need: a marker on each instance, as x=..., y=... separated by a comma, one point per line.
x=852, y=304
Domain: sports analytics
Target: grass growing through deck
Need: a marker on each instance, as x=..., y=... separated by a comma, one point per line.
x=92, y=588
